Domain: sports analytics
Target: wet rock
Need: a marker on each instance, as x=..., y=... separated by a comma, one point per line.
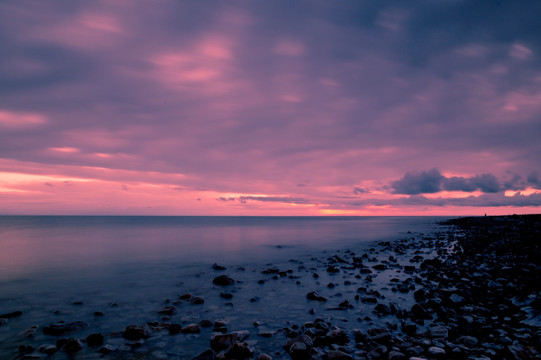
x=218, y=267
x=206, y=355
x=240, y=351
x=314, y=295
x=338, y=355
x=196, y=300
x=3, y=321
x=377, y=353
x=409, y=328
x=468, y=341
x=379, y=267
x=61, y=327
x=168, y=310
x=98, y=313
x=11, y=315
x=333, y=269
x=28, y=332
x=136, y=332
x=219, y=342
x=48, y=349
x=223, y=280
x=226, y=295
x=369, y=299
x=396, y=355
x=185, y=297
x=107, y=349
x=436, y=352
x=271, y=271
x=26, y=349
x=456, y=299
x=95, y=339
x=439, y=332
x=521, y=352
x=383, y=309
x=298, y=350
x=174, y=329
x=205, y=323
x=264, y=356
x=304, y=339
x=71, y=345
x=419, y=312
x=191, y=329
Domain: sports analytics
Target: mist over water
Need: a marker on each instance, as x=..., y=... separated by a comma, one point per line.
x=36, y=244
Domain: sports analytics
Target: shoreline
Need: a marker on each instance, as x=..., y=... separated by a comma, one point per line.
x=470, y=291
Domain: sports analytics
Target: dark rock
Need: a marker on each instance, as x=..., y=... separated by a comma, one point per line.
x=48, y=349
x=313, y=295
x=240, y=351
x=174, y=329
x=223, y=280
x=219, y=342
x=333, y=269
x=264, y=356
x=298, y=351
x=302, y=339
x=206, y=355
x=436, y=352
x=369, y=299
x=196, y=300
x=72, y=346
x=439, y=332
x=218, y=267
x=98, y=313
x=226, y=295
x=379, y=267
x=95, y=339
x=185, y=297
x=468, y=341
x=136, y=332
x=271, y=271
x=191, y=329
x=26, y=349
x=205, y=323
x=61, y=327
x=383, y=309
x=11, y=315
x=28, y=332
x=338, y=355
x=396, y=355
x=168, y=310
x=377, y=353
x=107, y=349
x=419, y=312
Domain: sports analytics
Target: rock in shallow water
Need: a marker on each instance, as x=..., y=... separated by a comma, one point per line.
x=223, y=280
x=136, y=332
x=61, y=327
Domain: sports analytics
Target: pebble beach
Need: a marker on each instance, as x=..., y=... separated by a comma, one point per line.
x=469, y=290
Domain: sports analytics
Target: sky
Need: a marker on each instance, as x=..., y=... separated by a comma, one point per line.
x=276, y=107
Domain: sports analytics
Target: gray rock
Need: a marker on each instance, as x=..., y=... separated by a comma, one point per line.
x=396, y=355
x=456, y=299
x=436, y=352
x=468, y=341
x=338, y=355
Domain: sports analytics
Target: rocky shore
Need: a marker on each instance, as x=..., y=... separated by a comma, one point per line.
x=469, y=291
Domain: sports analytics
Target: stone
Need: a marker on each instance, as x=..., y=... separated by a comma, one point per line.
x=419, y=312
x=28, y=332
x=223, y=280
x=61, y=327
x=136, y=332
x=95, y=339
x=26, y=349
x=396, y=355
x=240, y=351
x=218, y=267
x=205, y=323
x=338, y=355
x=196, y=300
x=314, y=295
x=72, y=345
x=378, y=352
x=168, y=310
x=107, y=349
x=11, y=315
x=174, y=329
x=369, y=299
x=48, y=349
x=436, y=352
x=191, y=329
x=468, y=341
x=456, y=299
x=264, y=356
x=439, y=332
x=219, y=342
x=206, y=355
x=226, y=295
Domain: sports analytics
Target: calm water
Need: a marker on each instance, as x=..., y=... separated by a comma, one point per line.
x=49, y=262
x=32, y=245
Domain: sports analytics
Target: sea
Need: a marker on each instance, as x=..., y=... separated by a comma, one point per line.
x=68, y=268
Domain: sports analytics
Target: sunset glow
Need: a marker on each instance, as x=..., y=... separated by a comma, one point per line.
x=349, y=108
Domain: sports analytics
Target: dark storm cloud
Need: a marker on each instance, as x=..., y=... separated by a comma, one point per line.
x=535, y=180
x=424, y=182
x=432, y=181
